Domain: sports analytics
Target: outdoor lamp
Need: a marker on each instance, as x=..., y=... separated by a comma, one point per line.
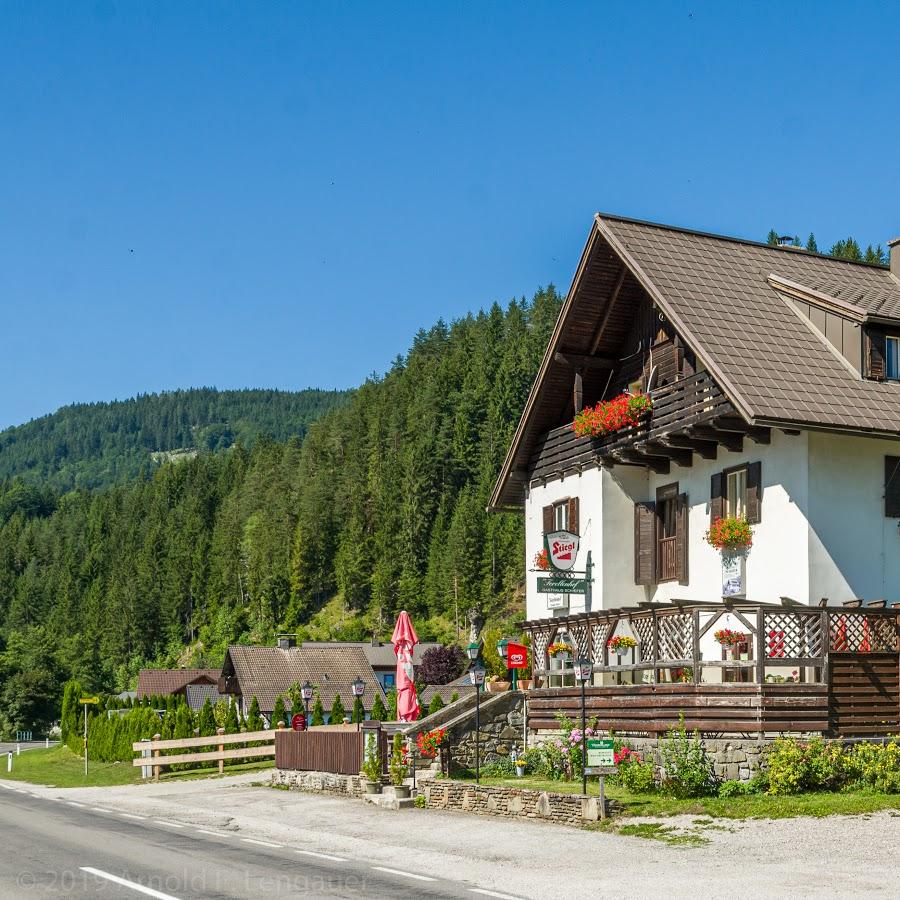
x=478, y=672
x=502, y=644
x=473, y=651
x=359, y=687
x=583, y=669
x=306, y=692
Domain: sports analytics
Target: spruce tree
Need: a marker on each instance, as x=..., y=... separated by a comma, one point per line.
x=436, y=704
x=392, y=704
x=318, y=711
x=811, y=244
x=359, y=711
x=772, y=238
x=279, y=714
x=379, y=713
x=336, y=716
x=206, y=721
x=254, y=717
x=232, y=723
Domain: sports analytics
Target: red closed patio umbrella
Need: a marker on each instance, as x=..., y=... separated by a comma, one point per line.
x=404, y=639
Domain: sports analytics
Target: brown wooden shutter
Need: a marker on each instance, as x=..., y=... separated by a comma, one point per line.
x=892, y=487
x=548, y=519
x=573, y=515
x=873, y=354
x=681, y=539
x=716, y=497
x=754, y=493
x=645, y=543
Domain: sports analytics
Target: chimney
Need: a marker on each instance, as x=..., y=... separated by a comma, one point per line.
x=895, y=256
x=286, y=642
x=786, y=240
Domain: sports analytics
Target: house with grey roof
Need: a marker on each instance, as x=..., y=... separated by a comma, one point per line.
x=380, y=655
x=770, y=386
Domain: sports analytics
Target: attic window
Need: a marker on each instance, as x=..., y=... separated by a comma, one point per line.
x=892, y=358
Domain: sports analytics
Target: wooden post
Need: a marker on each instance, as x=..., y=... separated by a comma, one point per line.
x=156, y=754
x=220, y=732
x=760, y=647
x=695, y=648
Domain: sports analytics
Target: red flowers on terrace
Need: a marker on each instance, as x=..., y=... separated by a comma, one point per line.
x=428, y=742
x=612, y=415
x=730, y=533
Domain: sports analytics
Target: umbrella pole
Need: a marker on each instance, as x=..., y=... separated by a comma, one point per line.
x=477, y=730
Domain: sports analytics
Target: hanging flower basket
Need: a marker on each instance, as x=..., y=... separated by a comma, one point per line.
x=612, y=415
x=621, y=643
x=731, y=534
x=728, y=638
x=542, y=560
x=560, y=650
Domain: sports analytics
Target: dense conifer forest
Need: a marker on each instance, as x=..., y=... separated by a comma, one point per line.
x=94, y=445
x=380, y=507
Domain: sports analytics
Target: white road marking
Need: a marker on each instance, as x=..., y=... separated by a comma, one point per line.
x=321, y=855
x=487, y=893
x=129, y=884
x=20, y=791
x=99, y=809
x=132, y=816
x=404, y=874
x=261, y=843
x=73, y=803
x=213, y=833
x=170, y=824
x=8, y=787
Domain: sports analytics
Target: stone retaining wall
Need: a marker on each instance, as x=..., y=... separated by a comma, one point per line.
x=511, y=802
x=500, y=732
x=320, y=782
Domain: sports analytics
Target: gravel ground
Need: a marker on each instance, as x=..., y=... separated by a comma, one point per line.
x=840, y=856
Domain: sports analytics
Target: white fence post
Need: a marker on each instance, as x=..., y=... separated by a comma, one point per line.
x=9, y=761
x=18, y=749
x=146, y=771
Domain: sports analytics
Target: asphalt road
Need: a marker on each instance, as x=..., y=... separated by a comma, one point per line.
x=59, y=848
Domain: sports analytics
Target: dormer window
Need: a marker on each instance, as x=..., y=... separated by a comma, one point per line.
x=892, y=358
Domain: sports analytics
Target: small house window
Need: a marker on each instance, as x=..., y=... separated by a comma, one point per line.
x=892, y=358
x=736, y=493
x=561, y=516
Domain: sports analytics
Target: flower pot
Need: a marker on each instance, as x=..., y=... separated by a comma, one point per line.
x=525, y=684
x=520, y=771
x=401, y=791
x=563, y=659
x=373, y=787
x=497, y=687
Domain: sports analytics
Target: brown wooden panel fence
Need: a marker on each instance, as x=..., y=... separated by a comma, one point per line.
x=339, y=752
x=864, y=692
x=711, y=708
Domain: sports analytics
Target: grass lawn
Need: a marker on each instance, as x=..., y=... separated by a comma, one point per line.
x=761, y=806
x=60, y=767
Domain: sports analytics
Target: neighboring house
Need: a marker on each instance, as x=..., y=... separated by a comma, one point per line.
x=380, y=655
x=774, y=375
x=461, y=687
x=269, y=672
x=162, y=682
x=197, y=694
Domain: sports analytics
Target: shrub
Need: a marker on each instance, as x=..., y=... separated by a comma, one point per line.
x=877, y=766
x=502, y=767
x=379, y=713
x=687, y=771
x=254, y=717
x=318, y=712
x=796, y=766
x=441, y=665
x=336, y=716
x=634, y=773
x=436, y=704
x=728, y=789
x=398, y=767
x=359, y=711
x=279, y=713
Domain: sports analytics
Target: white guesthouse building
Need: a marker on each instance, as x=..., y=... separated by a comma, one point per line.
x=774, y=375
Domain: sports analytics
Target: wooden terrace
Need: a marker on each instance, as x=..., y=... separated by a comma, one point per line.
x=830, y=670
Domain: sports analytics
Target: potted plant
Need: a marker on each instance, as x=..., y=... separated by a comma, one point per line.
x=429, y=742
x=399, y=769
x=518, y=763
x=730, y=640
x=621, y=644
x=561, y=651
x=371, y=767
x=542, y=560
x=731, y=534
x=497, y=686
x=612, y=415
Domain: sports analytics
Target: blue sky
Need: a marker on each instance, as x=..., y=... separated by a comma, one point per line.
x=280, y=194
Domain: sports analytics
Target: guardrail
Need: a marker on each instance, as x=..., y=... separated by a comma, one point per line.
x=153, y=761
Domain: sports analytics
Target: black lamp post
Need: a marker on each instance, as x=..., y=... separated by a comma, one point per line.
x=503, y=653
x=476, y=674
x=582, y=675
x=306, y=692
x=359, y=688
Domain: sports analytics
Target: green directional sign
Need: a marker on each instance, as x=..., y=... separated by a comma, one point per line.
x=558, y=585
x=600, y=752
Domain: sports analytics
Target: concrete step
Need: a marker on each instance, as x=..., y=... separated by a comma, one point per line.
x=388, y=799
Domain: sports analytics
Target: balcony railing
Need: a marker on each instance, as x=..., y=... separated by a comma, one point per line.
x=676, y=407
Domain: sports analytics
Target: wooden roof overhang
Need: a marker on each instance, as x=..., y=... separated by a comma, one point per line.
x=595, y=321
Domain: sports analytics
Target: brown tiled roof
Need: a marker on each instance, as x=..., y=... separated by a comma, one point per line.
x=461, y=687
x=267, y=672
x=152, y=682
x=380, y=655
x=772, y=364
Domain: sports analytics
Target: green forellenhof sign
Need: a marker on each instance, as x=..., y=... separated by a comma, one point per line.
x=556, y=585
x=600, y=752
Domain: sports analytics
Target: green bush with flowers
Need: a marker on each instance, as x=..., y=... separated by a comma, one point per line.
x=731, y=533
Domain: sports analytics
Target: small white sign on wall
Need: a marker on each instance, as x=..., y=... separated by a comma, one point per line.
x=557, y=601
x=734, y=575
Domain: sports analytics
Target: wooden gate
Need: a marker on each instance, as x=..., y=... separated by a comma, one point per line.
x=864, y=694
x=339, y=752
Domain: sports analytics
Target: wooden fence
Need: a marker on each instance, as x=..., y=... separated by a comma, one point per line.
x=158, y=761
x=339, y=752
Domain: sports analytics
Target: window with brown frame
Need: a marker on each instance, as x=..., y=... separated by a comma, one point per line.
x=737, y=491
x=661, y=538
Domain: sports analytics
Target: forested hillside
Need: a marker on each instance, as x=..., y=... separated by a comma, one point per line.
x=96, y=444
x=382, y=507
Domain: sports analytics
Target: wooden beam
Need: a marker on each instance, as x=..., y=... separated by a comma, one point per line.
x=728, y=439
x=632, y=456
x=706, y=449
x=613, y=299
x=684, y=457
x=759, y=434
x=581, y=363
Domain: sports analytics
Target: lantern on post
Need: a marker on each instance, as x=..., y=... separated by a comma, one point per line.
x=583, y=669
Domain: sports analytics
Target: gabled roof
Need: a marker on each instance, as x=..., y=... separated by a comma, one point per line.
x=716, y=292
x=161, y=682
x=197, y=694
x=380, y=655
x=267, y=672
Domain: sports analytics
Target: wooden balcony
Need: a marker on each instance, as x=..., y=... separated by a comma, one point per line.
x=690, y=416
x=827, y=670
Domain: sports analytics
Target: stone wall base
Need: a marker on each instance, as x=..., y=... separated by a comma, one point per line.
x=511, y=802
x=320, y=782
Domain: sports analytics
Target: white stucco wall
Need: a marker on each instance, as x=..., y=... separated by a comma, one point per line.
x=854, y=550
